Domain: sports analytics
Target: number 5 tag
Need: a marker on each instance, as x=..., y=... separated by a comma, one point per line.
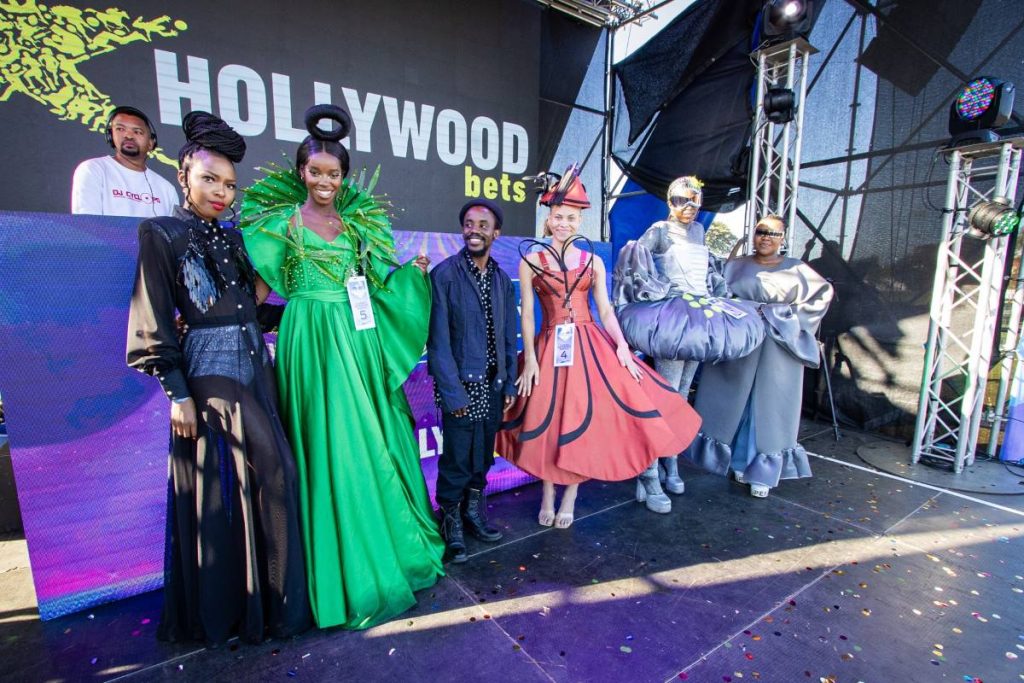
x=565, y=344
x=359, y=300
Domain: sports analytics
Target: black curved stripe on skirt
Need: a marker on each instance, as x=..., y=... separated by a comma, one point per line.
x=513, y=424
x=655, y=378
x=546, y=422
x=632, y=411
x=569, y=437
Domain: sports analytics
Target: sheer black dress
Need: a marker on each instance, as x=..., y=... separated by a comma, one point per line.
x=233, y=555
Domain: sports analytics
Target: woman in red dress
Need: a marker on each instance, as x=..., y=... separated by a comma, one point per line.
x=586, y=409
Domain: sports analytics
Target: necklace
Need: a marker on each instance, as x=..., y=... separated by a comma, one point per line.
x=332, y=221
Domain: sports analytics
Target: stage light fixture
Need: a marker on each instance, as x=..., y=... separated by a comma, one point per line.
x=785, y=19
x=980, y=106
x=779, y=105
x=996, y=218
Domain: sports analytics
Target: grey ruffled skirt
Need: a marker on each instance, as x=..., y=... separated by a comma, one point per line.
x=756, y=467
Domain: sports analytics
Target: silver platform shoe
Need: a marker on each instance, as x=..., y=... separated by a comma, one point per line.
x=673, y=482
x=648, y=491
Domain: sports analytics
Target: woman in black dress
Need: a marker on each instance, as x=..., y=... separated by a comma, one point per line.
x=233, y=559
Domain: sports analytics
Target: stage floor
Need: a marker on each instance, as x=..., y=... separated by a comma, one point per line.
x=848, y=576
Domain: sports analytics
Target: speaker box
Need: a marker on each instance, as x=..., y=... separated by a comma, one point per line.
x=935, y=25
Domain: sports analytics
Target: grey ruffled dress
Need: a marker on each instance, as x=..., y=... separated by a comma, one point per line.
x=751, y=405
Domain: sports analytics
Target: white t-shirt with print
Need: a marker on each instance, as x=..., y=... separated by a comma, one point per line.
x=102, y=186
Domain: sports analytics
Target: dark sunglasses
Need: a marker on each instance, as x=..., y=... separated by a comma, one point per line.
x=683, y=203
x=761, y=232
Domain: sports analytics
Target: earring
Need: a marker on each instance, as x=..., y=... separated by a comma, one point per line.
x=234, y=214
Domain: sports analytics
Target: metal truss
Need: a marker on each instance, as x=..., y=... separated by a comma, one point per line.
x=610, y=13
x=1010, y=336
x=775, y=148
x=965, y=306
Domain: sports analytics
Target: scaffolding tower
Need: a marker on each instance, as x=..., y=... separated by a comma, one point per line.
x=775, y=147
x=966, y=305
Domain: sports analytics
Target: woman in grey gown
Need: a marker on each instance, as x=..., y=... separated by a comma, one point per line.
x=751, y=406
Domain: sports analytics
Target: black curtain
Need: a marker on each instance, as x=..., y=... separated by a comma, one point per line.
x=695, y=76
x=702, y=132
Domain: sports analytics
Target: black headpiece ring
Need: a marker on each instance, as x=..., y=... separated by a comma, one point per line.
x=328, y=111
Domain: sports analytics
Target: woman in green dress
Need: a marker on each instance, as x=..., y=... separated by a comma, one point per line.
x=351, y=334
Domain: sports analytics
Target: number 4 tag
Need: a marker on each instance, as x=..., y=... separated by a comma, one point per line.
x=565, y=344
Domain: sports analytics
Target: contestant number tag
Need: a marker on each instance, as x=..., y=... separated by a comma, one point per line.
x=565, y=344
x=359, y=300
x=730, y=310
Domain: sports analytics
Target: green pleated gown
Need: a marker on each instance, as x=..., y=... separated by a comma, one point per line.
x=370, y=536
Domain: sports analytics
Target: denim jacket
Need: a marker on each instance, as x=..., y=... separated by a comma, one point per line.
x=457, y=345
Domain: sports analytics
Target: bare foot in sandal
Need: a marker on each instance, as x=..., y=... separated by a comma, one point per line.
x=564, y=518
x=547, y=505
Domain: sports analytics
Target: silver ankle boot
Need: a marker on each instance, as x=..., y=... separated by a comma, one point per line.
x=673, y=482
x=648, y=491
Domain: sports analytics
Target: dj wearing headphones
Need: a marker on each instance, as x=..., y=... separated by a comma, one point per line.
x=121, y=185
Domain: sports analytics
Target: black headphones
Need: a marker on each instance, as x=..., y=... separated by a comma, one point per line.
x=108, y=134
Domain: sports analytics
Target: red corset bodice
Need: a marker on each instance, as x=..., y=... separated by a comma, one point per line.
x=551, y=287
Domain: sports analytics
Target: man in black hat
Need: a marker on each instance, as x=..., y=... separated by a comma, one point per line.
x=471, y=354
x=121, y=185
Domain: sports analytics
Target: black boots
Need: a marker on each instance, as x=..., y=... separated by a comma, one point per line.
x=474, y=516
x=471, y=515
x=451, y=532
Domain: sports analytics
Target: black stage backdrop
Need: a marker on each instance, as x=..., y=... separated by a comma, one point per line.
x=444, y=93
x=873, y=182
x=567, y=47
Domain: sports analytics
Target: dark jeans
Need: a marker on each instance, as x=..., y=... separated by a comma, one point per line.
x=468, y=452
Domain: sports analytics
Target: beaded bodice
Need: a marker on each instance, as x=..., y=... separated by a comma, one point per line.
x=312, y=264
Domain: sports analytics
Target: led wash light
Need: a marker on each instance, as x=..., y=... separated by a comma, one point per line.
x=980, y=106
x=975, y=99
x=993, y=219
